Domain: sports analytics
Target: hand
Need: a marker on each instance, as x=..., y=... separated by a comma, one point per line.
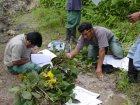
x=134, y=17
x=99, y=73
x=68, y=55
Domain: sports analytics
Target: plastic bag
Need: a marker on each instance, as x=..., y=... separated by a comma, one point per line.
x=56, y=45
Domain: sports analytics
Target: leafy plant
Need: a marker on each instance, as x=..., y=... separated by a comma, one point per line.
x=53, y=3
x=46, y=20
x=54, y=85
x=109, y=11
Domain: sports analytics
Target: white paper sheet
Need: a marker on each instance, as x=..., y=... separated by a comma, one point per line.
x=85, y=97
x=48, y=53
x=117, y=63
x=44, y=58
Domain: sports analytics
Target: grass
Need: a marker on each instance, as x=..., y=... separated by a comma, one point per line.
x=122, y=83
x=51, y=19
x=130, y=89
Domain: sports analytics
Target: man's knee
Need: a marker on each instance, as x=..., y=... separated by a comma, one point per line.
x=118, y=55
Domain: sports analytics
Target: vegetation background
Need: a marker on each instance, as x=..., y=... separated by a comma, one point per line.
x=51, y=16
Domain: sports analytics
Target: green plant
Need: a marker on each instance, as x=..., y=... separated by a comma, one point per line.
x=46, y=19
x=122, y=82
x=109, y=11
x=128, y=103
x=53, y=86
x=52, y=3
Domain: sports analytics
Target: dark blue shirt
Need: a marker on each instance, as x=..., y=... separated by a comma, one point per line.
x=74, y=4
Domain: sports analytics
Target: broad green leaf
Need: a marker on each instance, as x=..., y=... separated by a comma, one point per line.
x=14, y=89
x=23, y=86
x=29, y=102
x=36, y=95
x=64, y=83
x=114, y=1
x=33, y=78
x=26, y=95
x=117, y=1
x=70, y=87
x=45, y=67
x=74, y=70
x=17, y=100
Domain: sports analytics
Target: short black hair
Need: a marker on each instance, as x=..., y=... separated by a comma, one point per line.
x=84, y=26
x=35, y=38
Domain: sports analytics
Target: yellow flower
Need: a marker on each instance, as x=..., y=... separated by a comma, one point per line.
x=51, y=86
x=53, y=81
x=44, y=74
x=50, y=78
x=50, y=74
x=21, y=76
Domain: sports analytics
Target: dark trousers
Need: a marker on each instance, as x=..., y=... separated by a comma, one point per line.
x=132, y=71
x=71, y=33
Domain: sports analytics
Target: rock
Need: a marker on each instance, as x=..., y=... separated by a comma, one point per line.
x=20, y=27
x=11, y=32
x=9, y=8
x=1, y=83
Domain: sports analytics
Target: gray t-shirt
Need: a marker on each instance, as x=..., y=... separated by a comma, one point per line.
x=101, y=39
x=16, y=50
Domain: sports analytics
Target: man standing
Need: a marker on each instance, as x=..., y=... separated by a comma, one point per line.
x=18, y=51
x=99, y=40
x=134, y=53
x=73, y=19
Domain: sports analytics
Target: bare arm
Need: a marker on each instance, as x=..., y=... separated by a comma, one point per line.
x=72, y=54
x=20, y=62
x=100, y=62
x=134, y=17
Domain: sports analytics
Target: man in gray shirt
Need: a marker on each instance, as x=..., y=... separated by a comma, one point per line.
x=99, y=39
x=18, y=51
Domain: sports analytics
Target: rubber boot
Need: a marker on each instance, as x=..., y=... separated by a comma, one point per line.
x=74, y=35
x=68, y=35
x=67, y=44
x=132, y=72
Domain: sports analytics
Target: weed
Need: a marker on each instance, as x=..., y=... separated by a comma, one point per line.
x=49, y=17
x=122, y=83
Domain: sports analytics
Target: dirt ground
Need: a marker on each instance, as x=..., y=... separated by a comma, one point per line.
x=106, y=88
x=7, y=81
